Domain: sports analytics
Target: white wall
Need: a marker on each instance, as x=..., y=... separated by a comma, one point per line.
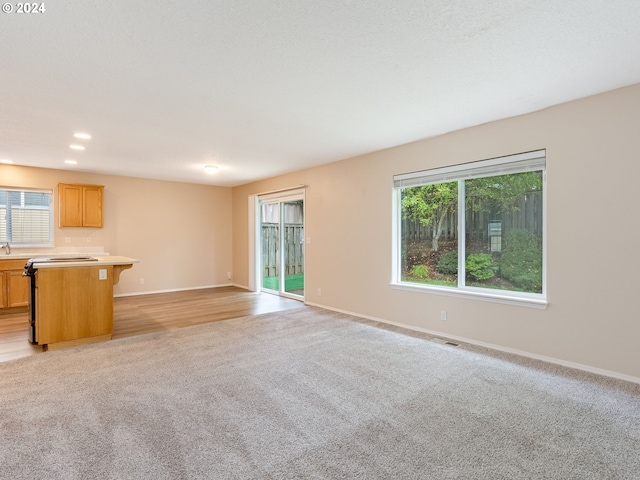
x=593, y=234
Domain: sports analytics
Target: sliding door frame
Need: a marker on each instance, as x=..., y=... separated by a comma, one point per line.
x=255, y=237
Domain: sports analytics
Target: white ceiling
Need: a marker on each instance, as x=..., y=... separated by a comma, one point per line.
x=263, y=87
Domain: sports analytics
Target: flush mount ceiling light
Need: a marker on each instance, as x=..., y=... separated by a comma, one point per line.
x=83, y=136
x=211, y=168
x=76, y=147
x=71, y=162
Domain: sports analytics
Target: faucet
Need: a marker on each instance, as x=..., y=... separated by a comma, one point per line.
x=8, y=247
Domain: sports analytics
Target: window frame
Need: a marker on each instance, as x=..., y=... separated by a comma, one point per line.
x=23, y=204
x=518, y=163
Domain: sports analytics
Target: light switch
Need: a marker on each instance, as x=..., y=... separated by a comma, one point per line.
x=102, y=275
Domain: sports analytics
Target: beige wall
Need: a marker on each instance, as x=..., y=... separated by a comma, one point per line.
x=593, y=235
x=180, y=232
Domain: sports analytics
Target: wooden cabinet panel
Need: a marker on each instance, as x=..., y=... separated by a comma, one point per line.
x=17, y=289
x=70, y=205
x=3, y=291
x=92, y=206
x=14, y=288
x=73, y=303
x=80, y=205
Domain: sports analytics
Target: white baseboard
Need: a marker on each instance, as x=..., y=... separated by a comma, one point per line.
x=556, y=361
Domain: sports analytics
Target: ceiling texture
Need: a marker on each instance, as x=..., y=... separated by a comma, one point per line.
x=264, y=87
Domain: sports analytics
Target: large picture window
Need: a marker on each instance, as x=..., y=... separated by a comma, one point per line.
x=476, y=228
x=26, y=217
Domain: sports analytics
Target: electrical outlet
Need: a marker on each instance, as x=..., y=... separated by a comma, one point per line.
x=443, y=315
x=67, y=239
x=88, y=239
x=102, y=274
x=142, y=281
x=319, y=292
x=229, y=275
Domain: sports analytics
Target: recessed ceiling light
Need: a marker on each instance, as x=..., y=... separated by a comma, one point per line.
x=71, y=162
x=6, y=161
x=83, y=136
x=211, y=168
x=76, y=147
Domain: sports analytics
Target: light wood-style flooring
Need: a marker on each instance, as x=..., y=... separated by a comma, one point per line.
x=140, y=314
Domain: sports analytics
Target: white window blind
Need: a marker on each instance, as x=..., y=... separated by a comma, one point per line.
x=523, y=162
x=26, y=216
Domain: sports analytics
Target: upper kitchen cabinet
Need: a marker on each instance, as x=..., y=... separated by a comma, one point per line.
x=80, y=205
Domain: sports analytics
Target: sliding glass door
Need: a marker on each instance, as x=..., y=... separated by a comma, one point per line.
x=281, y=238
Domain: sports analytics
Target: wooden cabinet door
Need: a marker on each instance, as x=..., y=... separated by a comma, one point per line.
x=3, y=290
x=92, y=206
x=17, y=289
x=80, y=205
x=14, y=288
x=70, y=208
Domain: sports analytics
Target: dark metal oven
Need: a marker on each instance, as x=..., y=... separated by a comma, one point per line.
x=30, y=271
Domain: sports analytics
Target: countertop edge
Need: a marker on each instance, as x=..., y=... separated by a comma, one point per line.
x=100, y=261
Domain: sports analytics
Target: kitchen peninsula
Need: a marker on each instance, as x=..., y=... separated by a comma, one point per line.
x=72, y=299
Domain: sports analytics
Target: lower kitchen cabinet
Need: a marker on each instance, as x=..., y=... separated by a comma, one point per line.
x=3, y=291
x=73, y=304
x=14, y=288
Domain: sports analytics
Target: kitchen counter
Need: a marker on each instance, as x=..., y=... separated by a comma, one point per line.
x=72, y=299
x=28, y=255
x=19, y=253
x=117, y=262
x=64, y=262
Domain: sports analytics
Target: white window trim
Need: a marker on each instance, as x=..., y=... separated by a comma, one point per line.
x=522, y=162
x=496, y=166
x=486, y=295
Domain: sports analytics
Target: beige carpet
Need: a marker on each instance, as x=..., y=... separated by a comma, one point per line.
x=308, y=394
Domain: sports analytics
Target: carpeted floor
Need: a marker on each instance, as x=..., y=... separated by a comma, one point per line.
x=309, y=394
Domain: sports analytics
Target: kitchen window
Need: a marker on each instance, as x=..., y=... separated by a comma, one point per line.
x=26, y=217
x=475, y=229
